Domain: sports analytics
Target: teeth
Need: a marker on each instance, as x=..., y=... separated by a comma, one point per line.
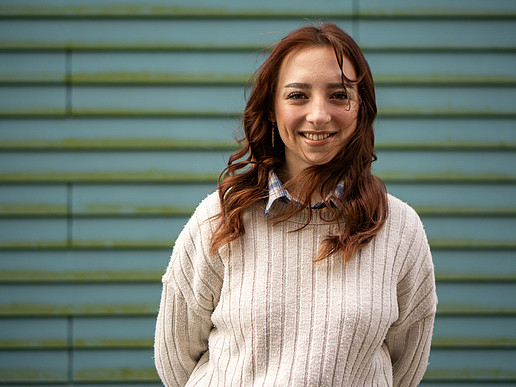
x=316, y=137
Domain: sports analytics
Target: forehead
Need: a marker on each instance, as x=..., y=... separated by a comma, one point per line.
x=314, y=62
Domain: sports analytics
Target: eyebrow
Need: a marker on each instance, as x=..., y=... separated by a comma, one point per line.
x=301, y=85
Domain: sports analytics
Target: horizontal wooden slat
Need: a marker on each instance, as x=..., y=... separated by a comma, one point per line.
x=113, y=232
x=119, y=133
x=207, y=67
x=40, y=100
x=461, y=364
x=18, y=333
x=33, y=233
x=445, y=166
x=445, y=100
x=490, y=332
x=453, y=198
x=144, y=34
x=450, y=231
x=236, y=67
x=138, y=199
x=116, y=265
x=475, y=265
x=112, y=299
x=182, y=199
x=112, y=166
x=219, y=133
x=160, y=8
x=113, y=365
x=230, y=100
x=432, y=34
x=34, y=366
x=454, y=133
x=470, y=365
x=438, y=67
x=221, y=100
x=22, y=200
x=247, y=34
x=164, y=67
x=84, y=266
x=113, y=332
x=79, y=299
x=476, y=298
x=474, y=331
x=440, y=7
x=32, y=67
x=471, y=231
x=137, y=365
x=196, y=166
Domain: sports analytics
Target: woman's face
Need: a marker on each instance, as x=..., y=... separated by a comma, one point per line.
x=314, y=112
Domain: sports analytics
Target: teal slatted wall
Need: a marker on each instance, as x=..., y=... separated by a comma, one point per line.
x=116, y=117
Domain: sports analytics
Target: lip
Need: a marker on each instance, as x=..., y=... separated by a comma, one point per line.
x=317, y=142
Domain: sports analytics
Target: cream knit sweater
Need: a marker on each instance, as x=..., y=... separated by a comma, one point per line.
x=261, y=313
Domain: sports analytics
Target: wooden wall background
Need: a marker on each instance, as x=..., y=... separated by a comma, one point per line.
x=116, y=117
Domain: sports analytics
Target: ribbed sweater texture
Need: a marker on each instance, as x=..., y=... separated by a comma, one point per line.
x=262, y=313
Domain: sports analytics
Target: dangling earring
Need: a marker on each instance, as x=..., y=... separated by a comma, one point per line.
x=274, y=127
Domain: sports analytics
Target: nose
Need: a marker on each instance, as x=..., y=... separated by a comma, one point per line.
x=318, y=115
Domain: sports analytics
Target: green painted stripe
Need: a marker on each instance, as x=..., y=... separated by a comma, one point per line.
x=390, y=112
x=168, y=12
x=118, y=144
x=116, y=78
x=167, y=244
x=147, y=343
x=168, y=177
x=135, y=46
x=123, y=275
x=129, y=309
x=134, y=211
x=203, y=145
x=176, y=12
x=242, y=80
x=383, y=113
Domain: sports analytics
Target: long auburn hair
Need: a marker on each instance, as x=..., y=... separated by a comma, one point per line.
x=362, y=209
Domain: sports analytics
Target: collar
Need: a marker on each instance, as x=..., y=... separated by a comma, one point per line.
x=278, y=192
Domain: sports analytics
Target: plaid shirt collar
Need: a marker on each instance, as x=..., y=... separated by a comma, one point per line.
x=278, y=192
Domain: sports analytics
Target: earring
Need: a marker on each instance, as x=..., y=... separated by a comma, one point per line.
x=274, y=127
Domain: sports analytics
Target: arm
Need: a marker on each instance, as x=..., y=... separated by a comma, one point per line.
x=181, y=337
x=409, y=337
x=191, y=290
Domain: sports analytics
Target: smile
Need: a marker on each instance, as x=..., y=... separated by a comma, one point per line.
x=317, y=137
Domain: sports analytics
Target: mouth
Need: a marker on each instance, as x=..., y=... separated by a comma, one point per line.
x=317, y=137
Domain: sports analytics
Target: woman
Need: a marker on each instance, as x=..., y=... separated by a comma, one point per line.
x=300, y=270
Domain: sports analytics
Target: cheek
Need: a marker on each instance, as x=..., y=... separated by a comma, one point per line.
x=347, y=119
x=289, y=118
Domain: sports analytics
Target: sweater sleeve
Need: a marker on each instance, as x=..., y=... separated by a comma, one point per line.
x=409, y=337
x=191, y=290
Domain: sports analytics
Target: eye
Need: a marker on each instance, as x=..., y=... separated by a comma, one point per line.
x=295, y=95
x=340, y=95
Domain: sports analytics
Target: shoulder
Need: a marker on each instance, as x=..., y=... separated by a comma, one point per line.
x=405, y=232
x=202, y=223
x=192, y=246
x=402, y=218
x=208, y=207
x=408, y=235
x=398, y=207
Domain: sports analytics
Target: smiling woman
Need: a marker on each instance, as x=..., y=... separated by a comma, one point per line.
x=300, y=270
x=315, y=112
